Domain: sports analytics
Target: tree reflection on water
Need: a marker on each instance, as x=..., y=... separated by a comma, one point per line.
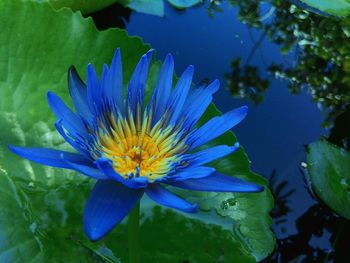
x=321, y=43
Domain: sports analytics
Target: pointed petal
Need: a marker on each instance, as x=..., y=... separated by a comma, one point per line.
x=210, y=154
x=164, y=197
x=50, y=157
x=70, y=121
x=104, y=164
x=137, y=84
x=188, y=173
x=78, y=94
x=108, y=204
x=179, y=95
x=197, y=102
x=88, y=170
x=93, y=90
x=162, y=90
x=217, y=182
x=71, y=140
x=217, y=126
x=113, y=91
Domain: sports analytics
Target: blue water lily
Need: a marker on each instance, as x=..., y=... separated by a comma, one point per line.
x=132, y=147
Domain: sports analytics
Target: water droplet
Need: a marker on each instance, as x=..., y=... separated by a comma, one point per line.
x=33, y=227
x=224, y=205
x=303, y=165
x=344, y=182
x=244, y=230
x=31, y=184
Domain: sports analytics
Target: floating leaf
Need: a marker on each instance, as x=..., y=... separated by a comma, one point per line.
x=333, y=7
x=85, y=6
x=48, y=202
x=151, y=7
x=184, y=3
x=329, y=169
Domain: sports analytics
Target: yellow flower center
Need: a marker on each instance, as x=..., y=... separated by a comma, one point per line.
x=136, y=149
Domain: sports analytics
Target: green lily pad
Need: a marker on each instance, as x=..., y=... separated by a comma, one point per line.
x=47, y=203
x=181, y=4
x=85, y=6
x=333, y=7
x=329, y=170
x=151, y=7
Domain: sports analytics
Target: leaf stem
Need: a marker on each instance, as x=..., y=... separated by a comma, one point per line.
x=133, y=234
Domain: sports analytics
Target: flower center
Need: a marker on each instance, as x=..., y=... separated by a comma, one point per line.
x=139, y=150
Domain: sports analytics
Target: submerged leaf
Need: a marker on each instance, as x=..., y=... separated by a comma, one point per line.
x=329, y=169
x=184, y=3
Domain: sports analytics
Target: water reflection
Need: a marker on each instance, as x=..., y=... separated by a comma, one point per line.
x=321, y=42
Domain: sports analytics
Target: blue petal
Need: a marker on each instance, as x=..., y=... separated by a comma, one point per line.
x=50, y=157
x=71, y=140
x=78, y=93
x=93, y=90
x=70, y=121
x=88, y=170
x=162, y=90
x=188, y=173
x=179, y=95
x=164, y=197
x=197, y=102
x=137, y=84
x=108, y=204
x=104, y=164
x=216, y=126
x=113, y=89
x=210, y=154
x=217, y=182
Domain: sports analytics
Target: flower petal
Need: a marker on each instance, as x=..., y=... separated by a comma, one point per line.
x=137, y=84
x=217, y=182
x=179, y=95
x=216, y=126
x=210, y=154
x=104, y=164
x=78, y=93
x=93, y=90
x=88, y=170
x=50, y=157
x=70, y=121
x=162, y=90
x=71, y=140
x=197, y=102
x=164, y=197
x=113, y=90
x=188, y=173
x=108, y=204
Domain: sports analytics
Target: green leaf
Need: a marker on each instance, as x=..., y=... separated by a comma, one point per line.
x=85, y=6
x=172, y=237
x=181, y=4
x=48, y=202
x=329, y=170
x=333, y=7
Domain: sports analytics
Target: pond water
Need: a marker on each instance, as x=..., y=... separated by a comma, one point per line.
x=280, y=124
